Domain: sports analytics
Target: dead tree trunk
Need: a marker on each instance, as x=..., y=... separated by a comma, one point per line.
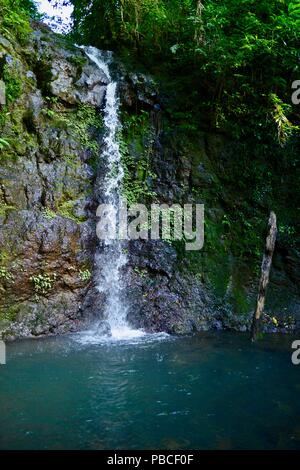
x=199, y=30
x=265, y=273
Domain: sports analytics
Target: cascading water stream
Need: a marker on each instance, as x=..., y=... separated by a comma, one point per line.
x=111, y=255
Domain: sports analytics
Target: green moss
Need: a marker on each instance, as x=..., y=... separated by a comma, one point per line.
x=13, y=90
x=81, y=123
x=136, y=146
x=5, y=257
x=84, y=125
x=241, y=303
x=66, y=209
x=72, y=161
x=10, y=313
x=13, y=83
x=14, y=132
x=14, y=21
x=49, y=214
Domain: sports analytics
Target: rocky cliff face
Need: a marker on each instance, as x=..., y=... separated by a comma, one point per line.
x=52, y=123
x=46, y=183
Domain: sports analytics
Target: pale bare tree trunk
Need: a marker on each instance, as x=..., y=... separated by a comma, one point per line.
x=137, y=22
x=265, y=274
x=122, y=11
x=199, y=31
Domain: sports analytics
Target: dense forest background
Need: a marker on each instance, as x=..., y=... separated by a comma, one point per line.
x=235, y=60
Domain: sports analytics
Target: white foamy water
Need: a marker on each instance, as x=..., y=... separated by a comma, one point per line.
x=130, y=336
x=111, y=256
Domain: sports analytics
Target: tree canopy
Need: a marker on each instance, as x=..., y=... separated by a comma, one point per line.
x=15, y=16
x=237, y=59
x=243, y=54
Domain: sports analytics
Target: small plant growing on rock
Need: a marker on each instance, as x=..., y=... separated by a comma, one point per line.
x=49, y=113
x=66, y=209
x=3, y=143
x=5, y=275
x=85, y=275
x=4, y=208
x=43, y=283
x=140, y=272
x=13, y=83
x=49, y=214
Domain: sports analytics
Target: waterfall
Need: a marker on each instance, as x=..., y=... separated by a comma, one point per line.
x=111, y=256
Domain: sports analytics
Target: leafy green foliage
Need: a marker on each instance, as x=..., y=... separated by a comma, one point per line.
x=3, y=143
x=43, y=283
x=85, y=275
x=13, y=90
x=84, y=124
x=14, y=24
x=13, y=83
x=136, y=146
x=4, y=208
x=14, y=17
x=234, y=54
x=66, y=209
x=49, y=214
x=284, y=127
x=6, y=275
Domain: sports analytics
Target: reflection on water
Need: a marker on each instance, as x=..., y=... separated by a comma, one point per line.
x=210, y=391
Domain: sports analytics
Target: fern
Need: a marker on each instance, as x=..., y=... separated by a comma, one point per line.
x=3, y=143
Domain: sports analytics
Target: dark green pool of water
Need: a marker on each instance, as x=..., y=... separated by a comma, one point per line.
x=212, y=391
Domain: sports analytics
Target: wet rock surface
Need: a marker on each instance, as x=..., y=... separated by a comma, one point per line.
x=46, y=182
x=170, y=289
x=50, y=186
